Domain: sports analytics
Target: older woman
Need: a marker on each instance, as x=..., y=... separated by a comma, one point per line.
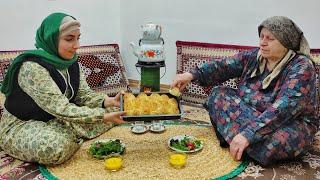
x=272, y=115
x=49, y=107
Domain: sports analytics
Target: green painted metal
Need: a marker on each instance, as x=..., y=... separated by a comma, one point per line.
x=150, y=78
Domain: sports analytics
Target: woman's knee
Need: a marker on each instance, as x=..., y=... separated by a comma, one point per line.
x=220, y=93
x=273, y=150
x=57, y=152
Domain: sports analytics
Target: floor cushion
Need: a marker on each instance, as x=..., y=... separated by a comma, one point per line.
x=103, y=68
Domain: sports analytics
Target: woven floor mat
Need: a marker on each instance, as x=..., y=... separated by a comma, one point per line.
x=147, y=157
x=308, y=167
x=195, y=113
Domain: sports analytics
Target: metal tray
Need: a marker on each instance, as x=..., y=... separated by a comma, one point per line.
x=153, y=117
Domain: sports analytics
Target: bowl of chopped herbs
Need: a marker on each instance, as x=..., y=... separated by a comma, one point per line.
x=106, y=147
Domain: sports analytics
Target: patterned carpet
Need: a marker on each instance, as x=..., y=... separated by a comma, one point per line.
x=306, y=167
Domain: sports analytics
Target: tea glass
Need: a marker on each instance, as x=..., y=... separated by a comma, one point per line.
x=139, y=125
x=157, y=125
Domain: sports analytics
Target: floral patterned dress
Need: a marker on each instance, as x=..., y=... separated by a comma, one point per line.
x=55, y=141
x=279, y=122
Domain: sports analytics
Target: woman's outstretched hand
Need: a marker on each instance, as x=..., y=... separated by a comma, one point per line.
x=115, y=117
x=238, y=144
x=113, y=101
x=182, y=80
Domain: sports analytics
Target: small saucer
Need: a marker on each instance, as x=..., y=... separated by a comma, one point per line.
x=139, y=129
x=161, y=128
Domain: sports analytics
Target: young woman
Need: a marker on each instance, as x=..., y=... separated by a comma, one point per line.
x=49, y=107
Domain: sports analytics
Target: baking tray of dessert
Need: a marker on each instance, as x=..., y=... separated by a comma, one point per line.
x=150, y=106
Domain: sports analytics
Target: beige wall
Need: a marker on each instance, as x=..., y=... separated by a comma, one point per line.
x=19, y=20
x=214, y=21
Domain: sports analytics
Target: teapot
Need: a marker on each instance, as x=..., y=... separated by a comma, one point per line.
x=150, y=48
x=151, y=31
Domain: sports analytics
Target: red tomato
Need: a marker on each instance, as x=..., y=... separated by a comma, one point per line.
x=189, y=143
x=191, y=147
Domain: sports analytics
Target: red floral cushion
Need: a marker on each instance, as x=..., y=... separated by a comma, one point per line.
x=103, y=68
x=192, y=54
x=95, y=70
x=315, y=54
x=5, y=60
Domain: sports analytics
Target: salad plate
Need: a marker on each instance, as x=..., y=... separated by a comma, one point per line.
x=185, y=144
x=106, y=147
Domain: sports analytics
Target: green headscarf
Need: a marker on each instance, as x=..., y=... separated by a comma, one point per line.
x=47, y=39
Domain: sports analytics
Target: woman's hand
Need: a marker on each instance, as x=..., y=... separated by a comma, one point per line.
x=115, y=117
x=112, y=101
x=238, y=144
x=182, y=80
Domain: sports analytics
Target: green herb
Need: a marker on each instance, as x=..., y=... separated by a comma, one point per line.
x=197, y=143
x=180, y=146
x=100, y=149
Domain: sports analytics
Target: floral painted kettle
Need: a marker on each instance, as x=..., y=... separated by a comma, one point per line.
x=150, y=47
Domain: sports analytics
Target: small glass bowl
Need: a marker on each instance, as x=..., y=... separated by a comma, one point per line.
x=178, y=160
x=113, y=163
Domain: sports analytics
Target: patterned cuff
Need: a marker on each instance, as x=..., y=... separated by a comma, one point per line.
x=248, y=134
x=196, y=74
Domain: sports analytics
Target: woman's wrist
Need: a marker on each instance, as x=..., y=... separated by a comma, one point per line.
x=105, y=118
x=189, y=76
x=107, y=102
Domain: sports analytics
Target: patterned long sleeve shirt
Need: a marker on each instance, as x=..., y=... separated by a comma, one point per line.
x=38, y=84
x=290, y=97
